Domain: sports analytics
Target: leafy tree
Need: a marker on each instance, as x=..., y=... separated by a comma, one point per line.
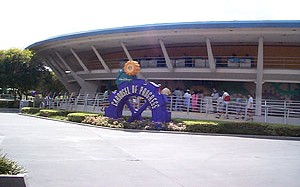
x=49, y=83
x=22, y=71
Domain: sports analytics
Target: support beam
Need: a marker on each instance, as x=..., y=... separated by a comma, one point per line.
x=58, y=65
x=64, y=62
x=166, y=56
x=54, y=69
x=101, y=60
x=259, y=76
x=62, y=78
x=86, y=87
x=126, y=51
x=211, y=59
x=55, y=65
x=79, y=60
x=139, y=75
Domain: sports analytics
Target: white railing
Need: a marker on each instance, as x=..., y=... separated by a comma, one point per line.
x=236, y=110
x=221, y=62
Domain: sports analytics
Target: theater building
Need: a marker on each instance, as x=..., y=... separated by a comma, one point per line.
x=258, y=57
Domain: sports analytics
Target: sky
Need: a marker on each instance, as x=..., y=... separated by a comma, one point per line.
x=24, y=22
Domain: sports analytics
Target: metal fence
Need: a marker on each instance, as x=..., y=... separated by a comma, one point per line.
x=273, y=111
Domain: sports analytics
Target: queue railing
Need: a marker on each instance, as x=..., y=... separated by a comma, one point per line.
x=236, y=109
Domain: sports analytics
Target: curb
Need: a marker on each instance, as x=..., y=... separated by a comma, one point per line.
x=19, y=180
x=293, y=138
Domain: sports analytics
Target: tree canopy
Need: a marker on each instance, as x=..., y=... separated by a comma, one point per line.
x=21, y=71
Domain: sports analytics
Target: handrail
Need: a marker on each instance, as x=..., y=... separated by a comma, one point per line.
x=236, y=109
x=221, y=62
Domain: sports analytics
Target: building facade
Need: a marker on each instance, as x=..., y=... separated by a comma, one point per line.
x=265, y=55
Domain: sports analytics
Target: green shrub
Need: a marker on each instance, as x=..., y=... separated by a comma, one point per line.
x=9, y=167
x=242, y=128
x=48, y=112
x=203, y=127
x=79, y=116
x=30, y=110
x=64, y=112
x=249, y=128
x=282, y=130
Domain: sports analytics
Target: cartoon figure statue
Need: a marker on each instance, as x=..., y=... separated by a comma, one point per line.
x=128, y=73
x=128, y=86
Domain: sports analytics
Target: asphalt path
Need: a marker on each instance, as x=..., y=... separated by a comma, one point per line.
x=59, y=154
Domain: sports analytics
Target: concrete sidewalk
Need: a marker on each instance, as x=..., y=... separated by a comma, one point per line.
x=58, y=154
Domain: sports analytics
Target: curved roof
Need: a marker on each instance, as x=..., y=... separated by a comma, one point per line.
x=95, y=55
x=215, y=25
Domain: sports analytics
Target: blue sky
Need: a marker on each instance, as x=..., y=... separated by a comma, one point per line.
x=24, y=22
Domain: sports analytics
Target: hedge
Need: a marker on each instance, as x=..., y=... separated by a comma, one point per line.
x=79, y=116
x=48, y=112
x=243, y=128
x=30, y=110
x=248, y=128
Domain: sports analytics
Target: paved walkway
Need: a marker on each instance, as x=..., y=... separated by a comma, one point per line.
x=58, y=154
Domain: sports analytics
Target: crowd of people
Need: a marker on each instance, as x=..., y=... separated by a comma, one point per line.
x=189, y=101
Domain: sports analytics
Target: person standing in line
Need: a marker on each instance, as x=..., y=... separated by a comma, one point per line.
x=187, y=99
x=178, y=96
x=226, y=100
x=166, y=91
x=239, y=106
x=195, y=101
x=250, y=107
x=219, y=107
x=215, y=96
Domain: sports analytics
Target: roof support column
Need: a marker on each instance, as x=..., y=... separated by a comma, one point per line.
x=259, y=76
x=85, y=86
x=139, y=75
x=211, y=59
x=62, y=78
x=101, y=59
x=126, y=51
x=79, y=60
x=55, y=66
x=166, y=56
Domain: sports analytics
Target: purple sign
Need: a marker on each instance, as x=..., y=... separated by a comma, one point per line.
x=152, y=99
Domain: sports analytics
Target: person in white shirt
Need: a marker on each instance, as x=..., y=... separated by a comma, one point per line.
x=187, y=99
x=214, y=97
x=226, y=100
x=250, y=108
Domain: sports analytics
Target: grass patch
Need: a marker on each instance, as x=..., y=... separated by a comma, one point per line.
x=190, y=122
x=62, y=118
